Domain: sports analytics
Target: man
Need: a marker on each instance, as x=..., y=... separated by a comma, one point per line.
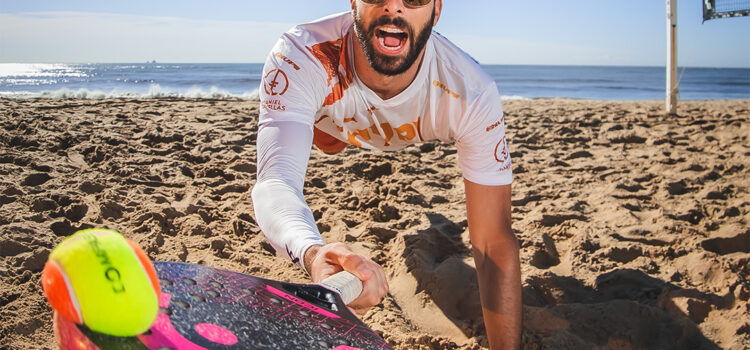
x=380, y=78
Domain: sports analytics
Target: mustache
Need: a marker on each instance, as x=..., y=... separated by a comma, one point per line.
x=398, y=22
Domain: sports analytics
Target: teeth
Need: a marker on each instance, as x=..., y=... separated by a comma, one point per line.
x=392, y=30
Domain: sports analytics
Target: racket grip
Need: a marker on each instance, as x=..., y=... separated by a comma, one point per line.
x=348, y=286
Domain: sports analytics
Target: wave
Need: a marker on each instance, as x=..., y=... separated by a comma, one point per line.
x=155, y=91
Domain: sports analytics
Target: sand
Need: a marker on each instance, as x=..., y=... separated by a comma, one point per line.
x=633, y=225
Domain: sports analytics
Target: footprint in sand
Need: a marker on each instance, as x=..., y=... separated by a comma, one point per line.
x=731, y=212
x=384, y=213
x=111, y=210
x=30, y=261
x=627, y=138
x=551, y=289
x=678, y=188
x=546, y=255
x=36, y=179
x=716, y=195
x=62, y=228
x=10, y=247
x=692, y=215
x=41, y=205
x=710, y=176
x=580, y=154
x=557, y=219
x=244, y=167
x=632, y=188
x=91, y=187
x=76, y=212
x=4, y=199
x=623, y=254
x=739, y=243
x=94, y=154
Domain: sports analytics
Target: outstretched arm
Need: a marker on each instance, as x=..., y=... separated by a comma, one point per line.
x=496, y=254
x=280, y=207
x=288, y=223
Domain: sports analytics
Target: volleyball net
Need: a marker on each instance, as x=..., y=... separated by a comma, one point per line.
x=713, y=9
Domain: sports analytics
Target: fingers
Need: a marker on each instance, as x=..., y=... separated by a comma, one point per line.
x=374, y=282
x=334, y=257
x=373, y=290
x=358, y=265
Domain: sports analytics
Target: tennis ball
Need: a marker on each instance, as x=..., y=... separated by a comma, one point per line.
x=99, y=278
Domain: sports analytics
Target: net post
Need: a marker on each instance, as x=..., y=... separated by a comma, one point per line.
x=672, y=88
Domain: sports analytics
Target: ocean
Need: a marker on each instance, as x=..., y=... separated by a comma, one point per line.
x=218, y=80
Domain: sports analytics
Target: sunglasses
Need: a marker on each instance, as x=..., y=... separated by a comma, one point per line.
x=408, y=3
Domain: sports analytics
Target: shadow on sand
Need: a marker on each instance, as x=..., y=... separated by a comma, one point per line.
x=624, y=309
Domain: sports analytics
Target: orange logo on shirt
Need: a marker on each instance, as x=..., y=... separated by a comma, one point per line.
x=326, y=142
x=387, y=129
x=502, y=156
x=445, y=88
x=275, y=82
x=332, y=55
x=406, y=132
x=496, y=124
x=273, y=105
x=287, y=60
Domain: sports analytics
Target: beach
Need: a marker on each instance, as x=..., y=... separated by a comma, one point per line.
x=633, y=224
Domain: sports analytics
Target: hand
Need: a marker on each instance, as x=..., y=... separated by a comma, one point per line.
x=327, y=260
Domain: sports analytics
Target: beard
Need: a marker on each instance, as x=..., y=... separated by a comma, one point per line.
x=392, y=65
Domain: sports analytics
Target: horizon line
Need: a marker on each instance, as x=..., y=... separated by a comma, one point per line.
x=482, y=64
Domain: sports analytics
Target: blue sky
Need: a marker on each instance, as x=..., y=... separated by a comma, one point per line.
x=584, y=32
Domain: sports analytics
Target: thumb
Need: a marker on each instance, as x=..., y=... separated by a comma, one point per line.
x=357, y=265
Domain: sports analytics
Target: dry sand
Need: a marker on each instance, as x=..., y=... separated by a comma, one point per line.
x=633, y=225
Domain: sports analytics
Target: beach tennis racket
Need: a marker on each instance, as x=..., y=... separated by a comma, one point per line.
x=207, y=308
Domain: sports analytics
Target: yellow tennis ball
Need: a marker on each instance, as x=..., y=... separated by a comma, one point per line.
x=99, y=278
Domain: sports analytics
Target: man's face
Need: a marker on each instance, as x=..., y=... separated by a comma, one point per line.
x=392, y=35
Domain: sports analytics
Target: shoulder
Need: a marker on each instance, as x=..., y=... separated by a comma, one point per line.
x=329, y=28
x=457, y=68
x=317, y=45
x=298, y=73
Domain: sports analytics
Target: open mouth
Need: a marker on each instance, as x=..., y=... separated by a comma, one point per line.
x=391, y=39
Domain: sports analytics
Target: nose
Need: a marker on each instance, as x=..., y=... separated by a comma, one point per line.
x=394, y=6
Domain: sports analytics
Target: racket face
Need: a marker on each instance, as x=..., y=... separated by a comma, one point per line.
x=207, y=308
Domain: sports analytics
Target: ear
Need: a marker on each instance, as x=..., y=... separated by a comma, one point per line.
x=438, y=10
x=352, y=2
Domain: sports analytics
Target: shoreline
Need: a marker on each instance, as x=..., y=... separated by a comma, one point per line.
x=235, y=98
x=632, y=223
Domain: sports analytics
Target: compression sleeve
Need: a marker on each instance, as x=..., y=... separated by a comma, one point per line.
x=280, y=207
x=292, y=88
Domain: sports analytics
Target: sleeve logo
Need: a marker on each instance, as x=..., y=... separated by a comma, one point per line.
x=501, y=151
x=287, y=60
x=275, y=82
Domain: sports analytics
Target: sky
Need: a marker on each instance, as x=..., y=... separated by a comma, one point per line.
x=546, y=32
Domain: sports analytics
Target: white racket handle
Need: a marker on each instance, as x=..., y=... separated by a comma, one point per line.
x=347, y=285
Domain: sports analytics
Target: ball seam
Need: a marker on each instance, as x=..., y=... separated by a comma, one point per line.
x=71, y=291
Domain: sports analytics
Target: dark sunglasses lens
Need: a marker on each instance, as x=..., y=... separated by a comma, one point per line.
x=413, y=3
x=416, y=2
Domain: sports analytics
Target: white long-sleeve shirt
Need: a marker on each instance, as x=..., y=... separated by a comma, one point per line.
x=310, y=94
